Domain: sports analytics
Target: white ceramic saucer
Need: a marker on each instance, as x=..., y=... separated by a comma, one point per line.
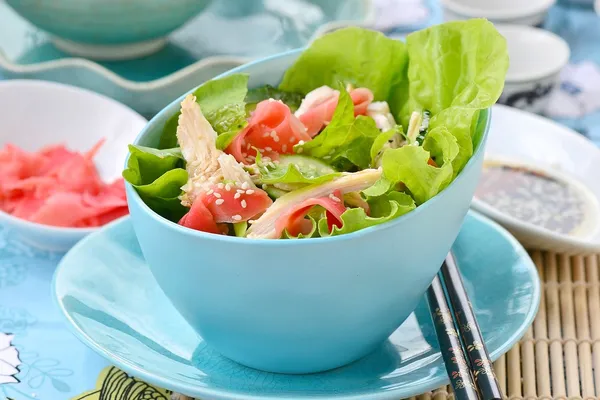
x=518, y=138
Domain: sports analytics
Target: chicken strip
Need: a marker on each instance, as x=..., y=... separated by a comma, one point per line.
x=206, y=165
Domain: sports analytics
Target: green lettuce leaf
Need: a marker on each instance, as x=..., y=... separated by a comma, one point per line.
x=146, y=164
x=456, y=69
x=256, y=95
x=158, y=177
x=381, y=187
x=345, y=138
x=294, y=170
x=353, y=55
x=222, y=103
x=380, y=141
x=408, y=165
x=383, y=209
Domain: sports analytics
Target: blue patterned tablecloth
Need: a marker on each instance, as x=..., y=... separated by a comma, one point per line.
x=41, y=360
x=52, y=364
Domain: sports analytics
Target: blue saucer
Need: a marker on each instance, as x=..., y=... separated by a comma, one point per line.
x=113, y=304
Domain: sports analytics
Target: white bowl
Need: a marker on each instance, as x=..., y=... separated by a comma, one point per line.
x=536, y=60
x=524, y=139
x=522, y=12
x=34, y=114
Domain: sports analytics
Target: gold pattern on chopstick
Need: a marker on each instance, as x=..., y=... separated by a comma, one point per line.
x=443, y=316
x=476, y=345
x=451, y=332
x=485, y=368
x=458, y=357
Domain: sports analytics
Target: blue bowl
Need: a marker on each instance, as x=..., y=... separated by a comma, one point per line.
x=108, y=29
x=309, y=305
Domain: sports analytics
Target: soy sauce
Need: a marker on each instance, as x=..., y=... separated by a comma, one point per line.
x=537, y=198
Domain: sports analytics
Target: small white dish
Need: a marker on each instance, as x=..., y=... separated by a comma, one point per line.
x=536, y=60
x=521, y=12
x=34, y=114
x=570, y=164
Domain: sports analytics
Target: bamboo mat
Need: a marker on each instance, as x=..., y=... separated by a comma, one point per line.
x=556, y=357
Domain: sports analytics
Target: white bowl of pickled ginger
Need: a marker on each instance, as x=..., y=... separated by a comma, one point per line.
x=62, y=150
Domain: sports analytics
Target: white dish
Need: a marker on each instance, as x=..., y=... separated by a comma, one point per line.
x=522, y=12
x=536, y=60
x=34, y=114
x=520, y=138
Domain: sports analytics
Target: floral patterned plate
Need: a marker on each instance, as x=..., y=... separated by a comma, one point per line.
x=113, y=304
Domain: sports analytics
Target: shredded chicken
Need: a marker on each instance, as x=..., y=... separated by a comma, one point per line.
x=380, y=112
x=414, y=127
x=316, y=97
x=206, y=165
x=264, y=227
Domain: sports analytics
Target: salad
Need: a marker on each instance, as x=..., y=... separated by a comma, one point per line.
x=361, y=130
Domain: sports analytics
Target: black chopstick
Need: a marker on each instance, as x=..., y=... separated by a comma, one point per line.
x=479, y=359
x=450, y=345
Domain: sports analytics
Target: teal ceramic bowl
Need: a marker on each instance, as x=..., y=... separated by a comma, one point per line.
x=301, y=306
x=108, y=29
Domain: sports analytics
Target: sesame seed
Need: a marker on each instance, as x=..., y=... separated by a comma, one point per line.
x=268, y=148
x=276, y=162
x=240, y=191
x=271, y=164
x=276, y=139
x=284, y=148
x=264, y=186
x=217, y=195
x=245, y=185
x=326, y=157
x=301, y=142
x=334, y=198
x=228, y=187
x=249, y=191
x=219, y=202
x=244, y=155
x=292, y=139
x=273, y=134
x=237, y=217
x=300, y=150
x=248, y=146
x=210, y=192
x=266, y=134
x=237, y=196
x=243, y=203
x=220, y=186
